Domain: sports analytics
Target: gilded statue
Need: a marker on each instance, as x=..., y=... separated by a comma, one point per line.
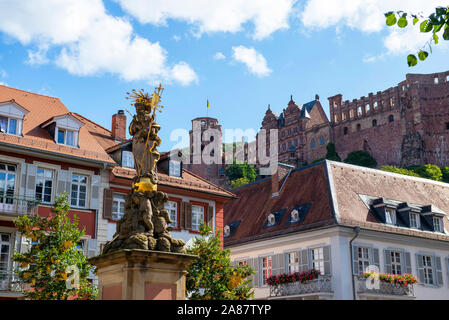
x=145, y=224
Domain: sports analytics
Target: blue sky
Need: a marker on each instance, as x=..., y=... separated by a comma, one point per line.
x=90, y=53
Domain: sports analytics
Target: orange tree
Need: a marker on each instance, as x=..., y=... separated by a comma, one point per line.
x=212, y=276
x=53, y=269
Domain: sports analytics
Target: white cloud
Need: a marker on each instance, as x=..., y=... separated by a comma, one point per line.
x=176, y=38
x=39, y=56
x=219, y=56
x=88, y=41
x=207, y=16
x=254, y=61
x=368, y=16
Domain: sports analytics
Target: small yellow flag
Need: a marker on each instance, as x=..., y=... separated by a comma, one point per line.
x=207, y=103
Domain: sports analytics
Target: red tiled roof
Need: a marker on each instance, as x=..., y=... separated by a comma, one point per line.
x=42, y=108
x=102, y=135
x=188, y=181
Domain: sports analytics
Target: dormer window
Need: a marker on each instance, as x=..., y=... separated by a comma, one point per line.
x=66, y=137
x=127, y=159
x=11, y=117
x=271, y=219
x=438, y=224
x=294, y=215
x=390, y=216
x=64, y=129
x=9, y=125
x=174, y=169
x=226, y=230
x=414, y=220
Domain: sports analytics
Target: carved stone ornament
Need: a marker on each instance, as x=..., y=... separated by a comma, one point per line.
x=145, y=222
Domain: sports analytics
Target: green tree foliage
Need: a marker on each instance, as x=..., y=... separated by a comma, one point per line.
x=361, y=158
x=445, y=173
x=241, y=170
x=428, y=171
x=399, y=170
x=331, y=153
x=53, y=268
x=436, y=24
x=239, y=182
x=211, y=276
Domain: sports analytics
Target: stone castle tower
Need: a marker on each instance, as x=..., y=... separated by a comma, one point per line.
x=404, y=125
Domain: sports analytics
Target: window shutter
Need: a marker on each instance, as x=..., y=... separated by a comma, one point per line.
x=376, y=261
x=182, y=216
x=63, y=182
x=387, y=254
x=447, y=267
x=278, y=264
x=254, y=264
x=420, y=268
x=438, y=271
x=327, y=259
x=91, y=247
x=108, y=198
x=303, y=260
x=31, y=181
x=210, y=216
x=95, y=192
x=355, y=259
x=408, y=262
x=187, y=215
x=22, y=189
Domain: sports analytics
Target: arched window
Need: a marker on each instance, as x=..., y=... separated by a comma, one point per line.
x=359, y=127
x=359, y=111
x=367, y=108
x=390, y=118
x=374, y=122
x=312, y=144
x=345, y=130
x=321, y=140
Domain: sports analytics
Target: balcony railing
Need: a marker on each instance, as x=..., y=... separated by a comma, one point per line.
x=323, y=284
x=10, y=282
x=18, y=205
x=367, y=287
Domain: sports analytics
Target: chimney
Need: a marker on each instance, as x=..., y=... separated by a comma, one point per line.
x=275, y=183
x=119, y=125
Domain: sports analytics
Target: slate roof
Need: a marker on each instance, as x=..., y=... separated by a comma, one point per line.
x=337, y=194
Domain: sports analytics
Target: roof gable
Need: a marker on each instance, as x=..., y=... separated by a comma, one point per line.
x=12, y=109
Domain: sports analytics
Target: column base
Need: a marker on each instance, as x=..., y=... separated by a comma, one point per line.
x=133, y=274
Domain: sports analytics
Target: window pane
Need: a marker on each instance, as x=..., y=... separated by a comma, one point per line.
x=12, y=126
x=61, y=136
x=3, y=124
x=69, y=138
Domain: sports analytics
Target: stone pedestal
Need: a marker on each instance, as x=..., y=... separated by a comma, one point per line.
x=133, y=274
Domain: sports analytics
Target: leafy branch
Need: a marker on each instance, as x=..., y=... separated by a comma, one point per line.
x=436, y=23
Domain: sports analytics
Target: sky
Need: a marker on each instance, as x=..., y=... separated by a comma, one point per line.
x=241, y=55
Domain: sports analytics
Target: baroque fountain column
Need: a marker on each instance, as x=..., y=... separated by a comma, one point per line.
x=143, y=261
